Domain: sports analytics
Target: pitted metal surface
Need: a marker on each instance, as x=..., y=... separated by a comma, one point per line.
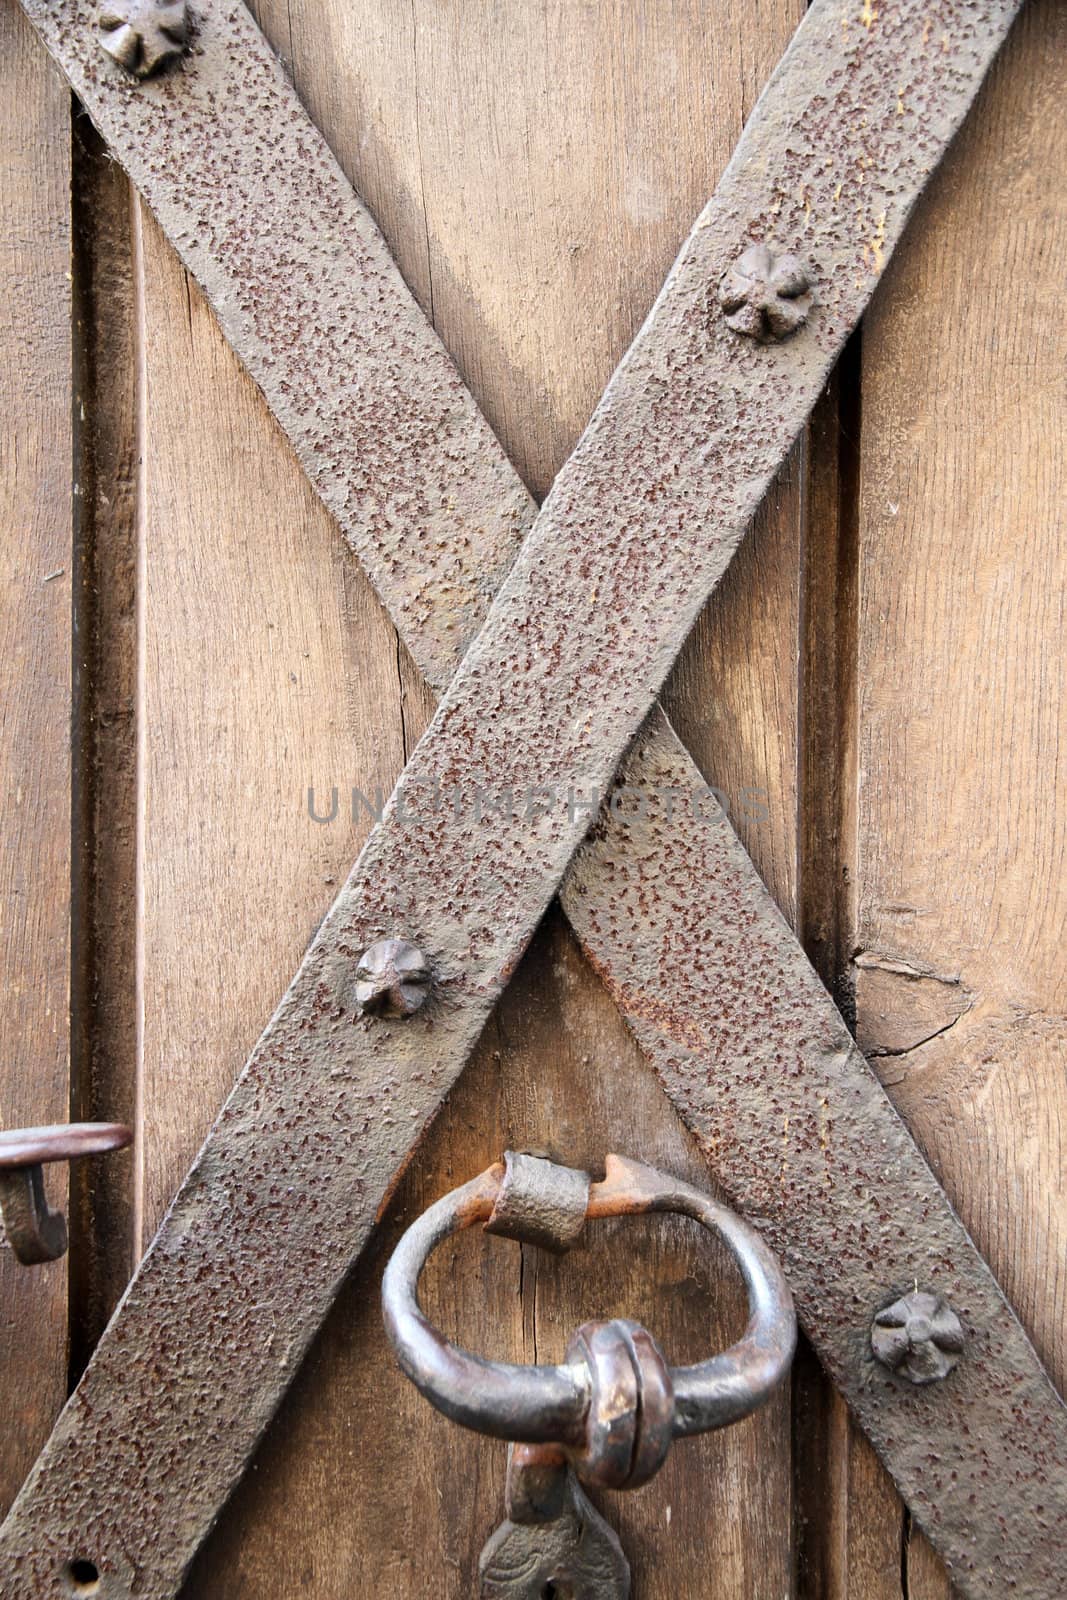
x=841, y=73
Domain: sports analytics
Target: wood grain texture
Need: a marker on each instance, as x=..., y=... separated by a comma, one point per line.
x=104, y=997
x=268, y=668
x=924, y=1575
x=359, y=1482
x=875, y=689
x=933, y=709
x=960, y=845
x=733, y=696
x=851, y=1526
x=35, y=714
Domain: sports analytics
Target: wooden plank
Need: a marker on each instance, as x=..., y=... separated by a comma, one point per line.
x=104, y=1002
x=857, y=1537
x=733, y=696
x=360, y=1481
x=851, y=1529
x=735, y=702
x=962, y=841
x=538, y=241
x=923, y=1572
x=216, y=474
x=960, y=851
x=36, y=457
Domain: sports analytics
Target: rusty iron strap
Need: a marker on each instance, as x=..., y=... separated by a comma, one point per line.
x=796, y=1128
x=944, y=127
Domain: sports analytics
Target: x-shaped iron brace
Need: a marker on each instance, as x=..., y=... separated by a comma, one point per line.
x=639, y=527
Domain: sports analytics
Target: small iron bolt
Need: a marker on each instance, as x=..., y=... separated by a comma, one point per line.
x=919, y=1335
x=766, y=296
x=144, y=36
x=392, y=979
x=34, y=1231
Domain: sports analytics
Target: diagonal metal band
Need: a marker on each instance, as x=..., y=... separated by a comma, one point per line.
x=801, y=1136
x=305, y=290
x=638, y=1006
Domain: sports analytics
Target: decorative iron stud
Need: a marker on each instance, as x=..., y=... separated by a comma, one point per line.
x=766, y=296
x=144, y=36
x=919, y=1336
x=392, y=980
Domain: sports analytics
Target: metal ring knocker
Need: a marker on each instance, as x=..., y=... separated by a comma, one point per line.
x=612, y=1410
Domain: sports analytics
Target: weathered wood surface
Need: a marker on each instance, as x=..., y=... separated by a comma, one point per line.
x=962, y=861
x=884, y=733
x=939, y=876
x=35, y=648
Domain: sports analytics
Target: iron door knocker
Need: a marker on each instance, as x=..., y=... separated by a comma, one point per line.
x=609, y=1414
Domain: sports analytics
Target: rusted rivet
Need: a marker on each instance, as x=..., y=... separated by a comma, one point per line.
x=392, y=979
x=919, y=1335
x=765, y=296
x=34, y=1231
x=144, y=36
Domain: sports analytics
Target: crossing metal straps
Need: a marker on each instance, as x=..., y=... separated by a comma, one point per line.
x=187, y=1437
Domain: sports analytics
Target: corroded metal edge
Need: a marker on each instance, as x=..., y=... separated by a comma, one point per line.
x=930, y=119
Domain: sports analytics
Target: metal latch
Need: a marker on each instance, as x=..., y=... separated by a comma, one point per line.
x=607, y=1416
x=35, y=1232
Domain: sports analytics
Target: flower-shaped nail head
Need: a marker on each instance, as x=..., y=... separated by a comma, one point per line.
x=143, y=36
x=765, y=296
x=919, y=1336
x=392, y=979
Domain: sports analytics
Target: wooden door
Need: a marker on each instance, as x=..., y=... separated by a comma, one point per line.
x=877, y=689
